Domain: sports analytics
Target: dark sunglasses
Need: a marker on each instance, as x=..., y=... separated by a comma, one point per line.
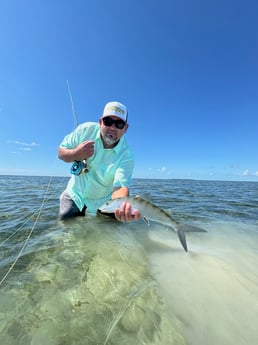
x=108, y=121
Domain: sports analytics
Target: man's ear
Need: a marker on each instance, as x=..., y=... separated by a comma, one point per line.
x=126, y=128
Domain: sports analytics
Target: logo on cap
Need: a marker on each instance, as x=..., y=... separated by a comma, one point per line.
x=115, y=108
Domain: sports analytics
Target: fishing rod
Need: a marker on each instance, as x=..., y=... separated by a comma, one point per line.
x=75, y=119
x=78, y=167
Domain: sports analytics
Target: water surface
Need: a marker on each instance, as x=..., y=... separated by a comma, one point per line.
x=96, y=281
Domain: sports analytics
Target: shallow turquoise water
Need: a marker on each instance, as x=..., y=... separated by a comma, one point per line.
x=96, y=281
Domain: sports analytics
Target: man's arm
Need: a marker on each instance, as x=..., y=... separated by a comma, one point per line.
x=67, y=155
x=82, y=151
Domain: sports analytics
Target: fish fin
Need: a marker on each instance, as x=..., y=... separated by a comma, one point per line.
x=144, y=196
x=191, y=228
x=182, y=239
x=146, y=220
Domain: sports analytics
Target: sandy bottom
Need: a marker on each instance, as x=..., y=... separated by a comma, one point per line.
x=107, y=283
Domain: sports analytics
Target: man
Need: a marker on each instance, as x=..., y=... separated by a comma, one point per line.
x=103, y=165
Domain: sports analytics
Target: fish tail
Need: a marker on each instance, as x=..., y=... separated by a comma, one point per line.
x=182, y=238
x=182, y=228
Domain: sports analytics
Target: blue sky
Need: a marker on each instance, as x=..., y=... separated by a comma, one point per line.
x=187, y=70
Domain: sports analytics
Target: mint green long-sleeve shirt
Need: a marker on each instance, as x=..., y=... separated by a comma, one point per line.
x=108, y=168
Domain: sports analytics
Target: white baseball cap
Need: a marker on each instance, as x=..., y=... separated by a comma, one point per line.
x=115, y=109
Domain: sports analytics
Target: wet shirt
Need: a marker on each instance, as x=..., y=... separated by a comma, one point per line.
x=108, y=168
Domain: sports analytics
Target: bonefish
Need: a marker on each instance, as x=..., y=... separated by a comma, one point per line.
x=151, y=212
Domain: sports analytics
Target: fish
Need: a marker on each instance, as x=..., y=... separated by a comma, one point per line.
x=151, y=212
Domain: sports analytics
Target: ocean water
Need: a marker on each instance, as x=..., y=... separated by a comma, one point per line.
x=95, y=281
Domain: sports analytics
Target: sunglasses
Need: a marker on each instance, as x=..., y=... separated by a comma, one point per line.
x=108, y=121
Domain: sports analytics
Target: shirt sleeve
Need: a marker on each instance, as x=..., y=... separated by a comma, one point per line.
x=81, y=133
x=70, y=141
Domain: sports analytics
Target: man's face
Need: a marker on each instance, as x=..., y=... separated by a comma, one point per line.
x=111, y=131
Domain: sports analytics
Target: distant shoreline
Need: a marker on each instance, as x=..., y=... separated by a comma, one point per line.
x=137, y=178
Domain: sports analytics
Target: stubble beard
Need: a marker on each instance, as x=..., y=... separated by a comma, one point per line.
x=110, y=141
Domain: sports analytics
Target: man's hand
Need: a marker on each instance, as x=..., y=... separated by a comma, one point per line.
x=82, y=151
x=126, y=214
x=85, y=149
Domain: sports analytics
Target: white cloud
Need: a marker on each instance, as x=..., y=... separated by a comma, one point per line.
x=22, y=143
x=162, y=169
x=247, y=172
x=22, y=146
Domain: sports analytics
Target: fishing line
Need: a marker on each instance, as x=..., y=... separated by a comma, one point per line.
x=127, y=305
x=21, y=226
x=75, y=125
x=45, y=198
x=15, y=232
